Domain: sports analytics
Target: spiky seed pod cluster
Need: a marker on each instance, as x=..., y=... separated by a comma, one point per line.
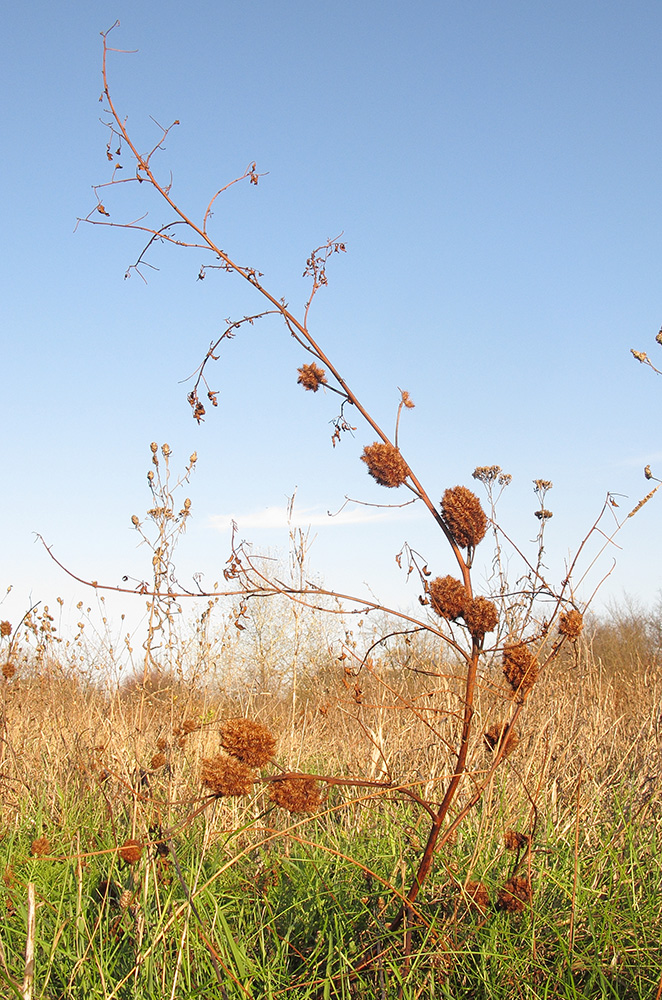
x=131, y=851
x=494, y=736
x=479, y=897
x=5, y=629
x=8, y=670
x=513, y=840
x=40, y=847
x=515, y=895
x=481, y=616
x=297, y=795
x=158, y=760
x=385, y=464
x=571, y=624
x=311, y=377
x=448, y=597
x=464, y=516
x=226, y=776
x=248, y=741
x=520, y=668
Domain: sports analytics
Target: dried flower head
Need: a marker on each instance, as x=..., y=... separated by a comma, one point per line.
x=464, y=516
x=406, y=399
x=311, y=377
x=571, y=624
x=520, y=668
x=478, y=896
x=543, y=514
x=5, y=629
x=448, y=597
x=495, y=735
x=248, y=741
x=481, y=616
x=189, y=726
x=125, y=900
x=385, y=464
x=8, y=670
x=158, y=760
x=131, y=851
x=226, y=776
x=40, y=847
x=515, y=895
x=297, y=795
x=513, y=840
x=162, y=743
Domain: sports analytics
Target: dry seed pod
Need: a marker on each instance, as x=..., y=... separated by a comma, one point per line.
x=5, y=629
x=479, y=897
x=464, y=516
x=297, y=795
x=226, y=776
x=513, y=840
x=481, y=616
x=158, y=760
x=520, y=668
x=8, y=670
x=385, y=464
x=311, y=377
x=248, y=741
x=131, y=851
x=448, y=597
x=515, y=895
x=40, y=847
x=571, y=624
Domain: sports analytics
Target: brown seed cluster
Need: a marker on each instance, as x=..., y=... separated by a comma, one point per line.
x=297, y=795
x=8, y=670
x=481, y=616
x=311, y=377
x=385, y=464
x=5, y=629
x=513, y=840
x=515, y=895
x=248, y=741
x=158, y=760
x=131, y=851
x=448, y=597
x=40, y=847
x=464, y=516
x=226, y=776
x=494, y=736
x=520, y=668
x=479, y=897
x=571, y=624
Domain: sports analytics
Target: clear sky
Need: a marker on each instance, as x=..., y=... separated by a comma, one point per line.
x=495, y=169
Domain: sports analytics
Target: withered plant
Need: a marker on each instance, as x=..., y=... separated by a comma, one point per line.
x=493, y=645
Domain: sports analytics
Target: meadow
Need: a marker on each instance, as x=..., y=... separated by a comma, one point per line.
x=148, y=883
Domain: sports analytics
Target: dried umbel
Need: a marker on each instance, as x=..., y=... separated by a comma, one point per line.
x=131, y=851
x=481, y=616
x=448, y=597
x=248, y=741
x=385, y=464
x=297, y=795
x=494, y=738
x=40, y=847
x=571, y=624
x=515, y=895
x=464, y=516
x=226, y=776
x=311, y=377
x=520, y=668
x=479, y=897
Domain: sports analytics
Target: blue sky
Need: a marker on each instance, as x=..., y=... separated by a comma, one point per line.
x=495, y=171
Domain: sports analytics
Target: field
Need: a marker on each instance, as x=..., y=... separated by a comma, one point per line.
x=148, y=884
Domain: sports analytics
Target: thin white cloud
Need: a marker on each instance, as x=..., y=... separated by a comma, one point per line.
x=277, y=517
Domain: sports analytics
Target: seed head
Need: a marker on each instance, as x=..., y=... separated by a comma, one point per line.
x=5, y=629
x=248, y=741
x=40, y=847
x=385, y=464
x=481, y=616
x=571, y=624
x=8, y=670
x=479, y=897
x=494, y=737
x=226, y=776
x=515, y=895
x=311, y=377
x=513, y=840
x=131, y=851
x=464, y=516
x=520, y=668
x=158, y=760
x=297, y=795
x=448, y=597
